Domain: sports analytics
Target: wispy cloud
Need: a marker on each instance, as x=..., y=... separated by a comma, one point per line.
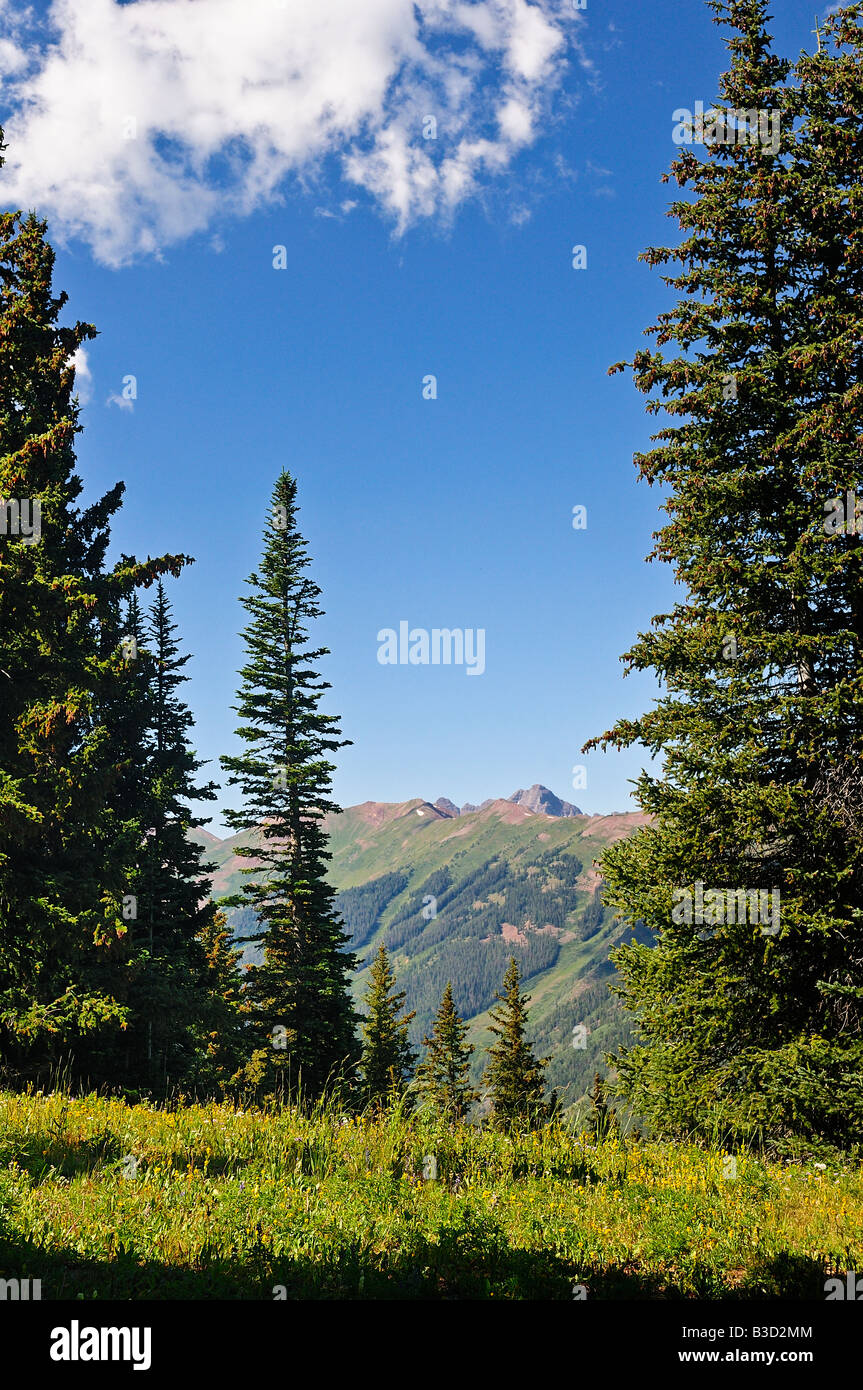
x=83, y=375
x=134, y=126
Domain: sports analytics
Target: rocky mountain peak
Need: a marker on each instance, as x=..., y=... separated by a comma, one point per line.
x=543, y=802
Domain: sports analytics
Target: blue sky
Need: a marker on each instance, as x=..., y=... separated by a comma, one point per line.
x=453, y=512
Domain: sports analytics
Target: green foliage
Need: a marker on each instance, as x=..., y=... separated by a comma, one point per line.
x=443, y=1077
x=301, y=1015
x=513, y=1075
x=387, y=1057
x=173, y=925
x=449, y=927
x=477, y=903
x=607, y=1027
x=603, y=1120
x=761, y=718
x=67, y=841
x=420, y=900
x=360, y=908
x=220, y=1025
x=235, y=1204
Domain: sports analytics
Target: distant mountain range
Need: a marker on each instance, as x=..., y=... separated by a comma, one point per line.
x=453, y=892
x=537, y=799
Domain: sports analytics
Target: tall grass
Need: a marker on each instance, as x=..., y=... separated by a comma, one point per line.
x=101, y=1199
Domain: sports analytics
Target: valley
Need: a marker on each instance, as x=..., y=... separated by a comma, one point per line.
x=453, y=894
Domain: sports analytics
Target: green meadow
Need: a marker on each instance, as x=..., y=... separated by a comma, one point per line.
x=101, y=1199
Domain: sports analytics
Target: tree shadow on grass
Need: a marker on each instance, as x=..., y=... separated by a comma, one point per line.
x=64, y=1156
x=451, y=1268
x=69, y=1157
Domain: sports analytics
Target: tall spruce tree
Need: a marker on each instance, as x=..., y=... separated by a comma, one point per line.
x=302, y=1018
x=514, y=1076
x=387, y=1057
x=443, y=1078
x=755, y=1024
x=66, y=847
x=171, y=885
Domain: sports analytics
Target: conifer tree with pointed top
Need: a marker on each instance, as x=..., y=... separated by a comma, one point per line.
x=443, y=1077
x=170, y=884
x=387, y=1057
x=66, y=841
x=751, y=1020
x=302, y=1019
x=514, y=1076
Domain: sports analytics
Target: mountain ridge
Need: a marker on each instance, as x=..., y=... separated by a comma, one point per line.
x=452, y=897
x=537, y=799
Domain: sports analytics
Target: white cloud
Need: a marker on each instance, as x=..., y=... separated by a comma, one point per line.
x=133, y=126
x=83, y=375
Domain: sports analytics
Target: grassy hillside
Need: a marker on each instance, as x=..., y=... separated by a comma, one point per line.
x=452, y=898
x=100, y=1200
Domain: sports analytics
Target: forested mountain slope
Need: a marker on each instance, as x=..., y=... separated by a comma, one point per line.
x=453, y=896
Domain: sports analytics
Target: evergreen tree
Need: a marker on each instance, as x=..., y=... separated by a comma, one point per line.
x=443, y=1078
x=387, y=1056
x=751, y=1017
x=302, y=1020
x=65, y=844
x=221, y=1047
x=171, y=887
x=109, y=1058
x=514, y=1076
